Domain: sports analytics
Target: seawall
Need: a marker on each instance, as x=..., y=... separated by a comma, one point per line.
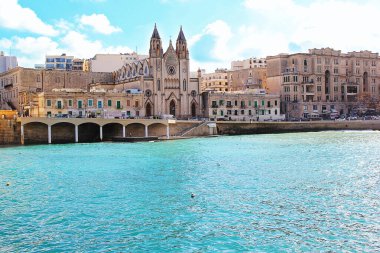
x=9, y=132
x=234, y=128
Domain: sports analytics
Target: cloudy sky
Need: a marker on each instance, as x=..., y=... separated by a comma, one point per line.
x=217, y=31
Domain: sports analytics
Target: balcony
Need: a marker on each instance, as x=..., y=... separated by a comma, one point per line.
x=59, y=107
x=8, y=85
x=214, y=106
x=229, y=105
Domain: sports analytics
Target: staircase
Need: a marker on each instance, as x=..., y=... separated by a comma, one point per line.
x=190, y=129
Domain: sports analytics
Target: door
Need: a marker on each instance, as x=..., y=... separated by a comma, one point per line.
x=172, y=108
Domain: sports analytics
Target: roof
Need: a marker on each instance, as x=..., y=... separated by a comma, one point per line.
x=181, y=36
x=155, y=34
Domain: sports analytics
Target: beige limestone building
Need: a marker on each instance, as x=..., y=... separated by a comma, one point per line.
x=18, y=85
x=247, y=79
x=250, y=63
x=157, y=86
x=323, y=82
x=248, y=105
x=217, y=81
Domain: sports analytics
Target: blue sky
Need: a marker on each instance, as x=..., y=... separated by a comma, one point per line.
x=217, y=31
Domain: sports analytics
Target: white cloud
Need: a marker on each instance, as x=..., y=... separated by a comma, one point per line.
x=100, y=23
x=32, y=50
x=271, y=27
x=14, y=16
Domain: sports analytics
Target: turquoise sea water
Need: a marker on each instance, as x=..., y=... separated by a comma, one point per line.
x=259, y=193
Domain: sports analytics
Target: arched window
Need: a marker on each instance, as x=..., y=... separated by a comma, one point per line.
x=184, y=84
x=146, y=70
x=158, y=84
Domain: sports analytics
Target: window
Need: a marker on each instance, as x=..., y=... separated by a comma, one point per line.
x=100, y=104
x=118, y=104
x=80, y=104
x=128, y=103
x=268, y=103
x=59, y=104
x=109, y=102
x=275, y=112
x=315, y=107
x=136, y=103
x=90, y=102
x=48, y=102
x=38, y=78
x=262, y=102
x=319, y=88
x=256, y=104
x=70, y=102
x=184, y=85
x=295, y=88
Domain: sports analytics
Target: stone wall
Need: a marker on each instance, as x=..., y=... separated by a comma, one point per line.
x=9, y=132
x=283, y=127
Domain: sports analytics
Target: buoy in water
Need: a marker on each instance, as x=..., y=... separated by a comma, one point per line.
x=192, y=195
x=8, y=184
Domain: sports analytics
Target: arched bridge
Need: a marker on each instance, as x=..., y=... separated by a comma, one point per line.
x=58, y=130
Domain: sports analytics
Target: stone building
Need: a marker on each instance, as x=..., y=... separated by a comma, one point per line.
x=82, y=103
x=18, y=84
x=248, y=105
x=323, y=82
x=112, y=62
x=242, y=79
x=248, y=63
x=164, y=79
x=162, y=84
x=217, y=81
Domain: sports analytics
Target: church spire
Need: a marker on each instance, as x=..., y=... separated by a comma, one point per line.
x=181, y=36
x=155, y=34
x=155, y=44
x=181, y=46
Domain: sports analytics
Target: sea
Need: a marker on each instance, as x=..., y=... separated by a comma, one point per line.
x=294, y=192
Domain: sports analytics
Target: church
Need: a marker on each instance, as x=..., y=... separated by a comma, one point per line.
x=163, y=79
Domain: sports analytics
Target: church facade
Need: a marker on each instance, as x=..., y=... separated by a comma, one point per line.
x=163, y=79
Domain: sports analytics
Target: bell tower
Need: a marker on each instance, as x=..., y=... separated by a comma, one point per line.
x=155, y=50
x=181, y=46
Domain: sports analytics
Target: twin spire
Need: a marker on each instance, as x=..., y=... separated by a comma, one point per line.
x=156, y=35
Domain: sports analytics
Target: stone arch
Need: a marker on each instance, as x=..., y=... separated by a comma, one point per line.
x=135, y=130
x=35, y=133
x=157, y=129
x=148, y=109
x=63, y=132
x=88, y=132
x=193, y=109
x=172, y=107
x=111, y=130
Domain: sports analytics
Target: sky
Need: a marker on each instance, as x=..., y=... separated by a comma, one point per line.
x=217, y=32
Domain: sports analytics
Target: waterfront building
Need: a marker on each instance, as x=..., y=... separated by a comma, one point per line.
x=217, y=81
x=248, y=105
x=113, y=62
x=17, y=85
x=82, y=103
x=59, y=62
x=250, y=63
x=323, y=82
x=162, y=80
x=7, y=62
x=243, y=79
